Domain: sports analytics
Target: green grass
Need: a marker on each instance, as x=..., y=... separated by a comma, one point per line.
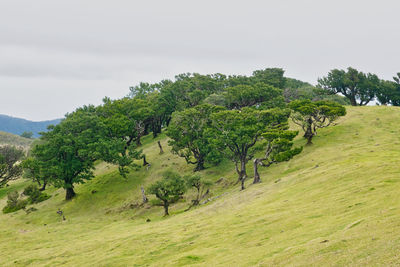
x=337, y=203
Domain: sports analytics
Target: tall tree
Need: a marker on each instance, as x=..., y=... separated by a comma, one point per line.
x=9, y=167
x=358, y=87
x=236, y=132
x=313, y=115
x=72, y=147
x=189, y=140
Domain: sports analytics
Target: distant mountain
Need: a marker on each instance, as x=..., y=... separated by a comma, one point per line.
x=18, y=126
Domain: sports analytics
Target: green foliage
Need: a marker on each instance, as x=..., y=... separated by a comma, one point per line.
x=389, y=92
x=187, y=131
x=34, y=194
x=35, y=168
x=279, y=148
x=313, y=115
x=257, y=94
x=9, y=167
x=28, y=135
x=14, y=203
x=358, y=87
x=236, y=132
x=71, y=148
x=169, y=189
x=124, y=122
x=298, y=90
x=271, y=76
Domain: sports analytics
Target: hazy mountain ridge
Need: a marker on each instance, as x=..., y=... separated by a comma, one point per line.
x=18, y=126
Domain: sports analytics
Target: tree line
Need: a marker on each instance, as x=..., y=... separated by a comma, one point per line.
x=208, y=118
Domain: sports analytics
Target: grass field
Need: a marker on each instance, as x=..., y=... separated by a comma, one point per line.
x=335, y=204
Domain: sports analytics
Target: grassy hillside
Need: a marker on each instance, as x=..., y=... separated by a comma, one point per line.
x=337, y=203
x=15, y=140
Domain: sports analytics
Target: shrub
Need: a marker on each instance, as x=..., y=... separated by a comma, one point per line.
x=14, y=202
x=34, y=194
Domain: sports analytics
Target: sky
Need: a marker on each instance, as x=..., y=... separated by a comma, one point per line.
x=58, y=55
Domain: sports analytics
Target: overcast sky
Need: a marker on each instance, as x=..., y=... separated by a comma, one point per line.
x=59, y=55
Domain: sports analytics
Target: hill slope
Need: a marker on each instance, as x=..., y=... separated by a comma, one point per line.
x=337, y=203
x=15, y=140
x=18, y=126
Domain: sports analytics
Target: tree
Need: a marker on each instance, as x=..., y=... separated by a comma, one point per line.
x=389, y=92
x=279, y=148
x=187, y=131
x=313, y=115
x=72, y=147
x=14, y=202
x=34, y=194
x=168, y=190
x=9, y=167
x=27, y=135
x=197, y=182
x=358, y=87
x=36, y=170
x=124, y=128
x=236, y=132
x=240, y=96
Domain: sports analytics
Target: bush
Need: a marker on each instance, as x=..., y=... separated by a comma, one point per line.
x=34, y=194
x=14, y=203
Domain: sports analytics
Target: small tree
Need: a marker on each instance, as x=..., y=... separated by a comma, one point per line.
x=168, y=190
x=27, y=135
x=236, y=132
x=313, y=115
x=36, y=169
x=14, y=202
x=279, y=148
x=9, y=167
x=187, y=131
x=197, y=182
x=34, y=194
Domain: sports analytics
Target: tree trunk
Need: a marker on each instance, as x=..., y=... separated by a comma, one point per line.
x=309, y=133
x=70, y=193
x=144, y=161
x=243, y=173
x=256, y=174
x=166, y=209
x=200, y=165
x=138, y=143
x=43, y=187
x=353, y=101
x=161, y=149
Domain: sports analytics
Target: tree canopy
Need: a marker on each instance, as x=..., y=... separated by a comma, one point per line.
x=169, y=189
x=313, y=115
x=189, y=140
x=358, y=87
x=236, y=132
